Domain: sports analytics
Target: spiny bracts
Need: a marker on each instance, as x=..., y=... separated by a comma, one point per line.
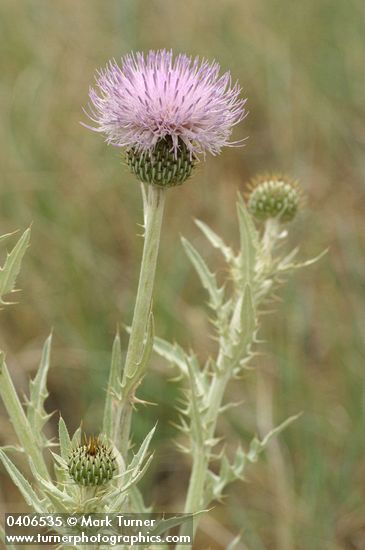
x=273, y=196
x=92, y=464
x=162, y=166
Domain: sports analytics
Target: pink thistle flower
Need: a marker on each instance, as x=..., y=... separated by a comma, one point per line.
x=157, y=98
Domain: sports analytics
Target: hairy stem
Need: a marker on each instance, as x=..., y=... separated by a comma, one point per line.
x=133, y=369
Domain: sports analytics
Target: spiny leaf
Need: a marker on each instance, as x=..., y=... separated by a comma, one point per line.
x=59, y=506
x=164, y=525
x=59, y=499
x=194, y=409
x=137, y=374
x=202, y=381
x=228, y=473
x=113, y=387
x=139, y=457
x=76, y=438
x=6, y=236
x=257, y=446
x=30, y=496
x=134, y=472
x=64, y=439
x=11, y=268
x=133, y=479
x=59, y=460
x=248, y=316
x=60, y=468
x=249, y=242
x=19, y=419
x=173, y=353
x=285, y=264
x=148, y=344
x=215, y=240
x=36, y=414
x=243, y=325
x=207, y=278
x=231, y=471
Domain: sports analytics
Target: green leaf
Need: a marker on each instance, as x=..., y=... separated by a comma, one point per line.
x=257, y=446
x=196, y=409
x=113, y=388
x=164, y=525
x=19, y=419
x=248, y=315
x=59, y=499
x=132, y=480
x=36, y=414
x=135, y=376
x=11, y=268
x=60, y=469
x=249, y=242
x=64, y=439
x=207, y=278
x=59, y=504
x=139, y=457
x=30, y=496
x=76, y=438
x=173, y=353
x=244, y=325
x=7, y=235
x=287, y=265
x=134, y=472
x=148, y=345
x=216, y=240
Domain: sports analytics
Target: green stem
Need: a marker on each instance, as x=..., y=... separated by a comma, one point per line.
x=19, y=420
x=269, y=239
x=196, y=485
x=133, y=370
x=195, y=496
x=195, y=500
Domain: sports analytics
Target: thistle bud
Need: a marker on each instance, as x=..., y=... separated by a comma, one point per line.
x=274, y=197
x=92, y=464
x=162, y=165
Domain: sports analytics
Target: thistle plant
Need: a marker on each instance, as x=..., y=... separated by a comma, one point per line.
x=254, y=273
x=165, y=114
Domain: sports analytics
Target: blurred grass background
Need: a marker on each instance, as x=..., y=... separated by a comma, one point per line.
x=301, y=65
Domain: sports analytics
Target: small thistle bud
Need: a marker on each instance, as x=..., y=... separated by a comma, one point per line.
x=274, y=197
x=162, y=166
x=92, y=464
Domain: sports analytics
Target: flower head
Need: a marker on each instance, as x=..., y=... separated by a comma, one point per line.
x=154, y=97
x=92, y=464
x=179, y=104
x=273, y=196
